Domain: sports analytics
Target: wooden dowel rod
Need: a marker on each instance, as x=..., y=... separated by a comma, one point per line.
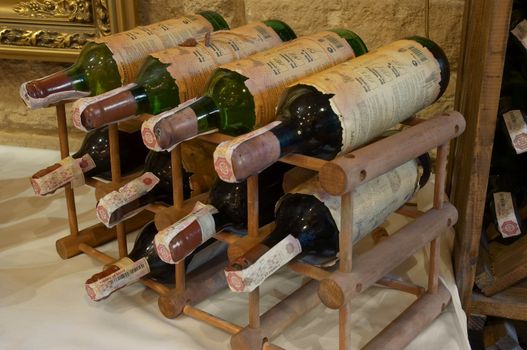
x=345, y=173
x=401, y=331
x=98, y=234
x=252, y=206
x=345, y=265
x=121, y=240
x=106, y=259
x=269, y=346
x=254, y=308
x=303, y=161
x=402, y=286
x=115, y=161
x=180, y=276
x=439, y=199
x=170, y=215
x=201, y=283
x=177, y=177
x=310, y=271
x=65, y=152
x=409, y=211
x=344, y=328
x=279, y=317
x=211, y=320
x=394, y=250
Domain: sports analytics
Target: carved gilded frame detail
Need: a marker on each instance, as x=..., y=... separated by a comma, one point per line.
x=56, y=30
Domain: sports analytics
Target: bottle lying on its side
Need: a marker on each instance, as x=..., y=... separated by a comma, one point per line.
x=178, y=74
x=342, y=108
x=92, y=160
x=243, y=94
x=308, y=222
x=112, y=61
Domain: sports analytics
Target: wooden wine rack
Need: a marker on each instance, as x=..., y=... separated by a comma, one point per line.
x=334, y=289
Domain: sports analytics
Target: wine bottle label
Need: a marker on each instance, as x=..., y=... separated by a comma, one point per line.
x=223, y=153
x=507, y=222
x=51, y=99
x=68, y=170
x=517, y=128
x=202, y=214
x=269, y=72
x=80, y=105
x=131, y=47
x=520, y=32
x=376, y=91
x=129, y=271
x=182, y=117
x=248, y=279
x=373, y=201
x=128, y=193
x=191, y=66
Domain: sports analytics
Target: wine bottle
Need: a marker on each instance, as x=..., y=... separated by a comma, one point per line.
x=91, y=160
x=175, y=75
x=154, y=185
x=227, y=209
x=308, y=222
x=342, y=108
x=112, y=61
x=243, y=94
x=143, y=262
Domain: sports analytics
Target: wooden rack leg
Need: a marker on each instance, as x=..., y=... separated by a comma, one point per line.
x=177, y=195
x=65, y=152
x=345, y=265
x=115, y=160
x=439, y=198
x=278, y=318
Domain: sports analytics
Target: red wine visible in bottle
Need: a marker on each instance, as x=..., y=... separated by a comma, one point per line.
x=154, y=185
x=91, y=160
x=342, y=108
x=227, y=209
x=308, y=222
x=143, y=262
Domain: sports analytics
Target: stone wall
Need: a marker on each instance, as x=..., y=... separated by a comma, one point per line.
x=377, y=22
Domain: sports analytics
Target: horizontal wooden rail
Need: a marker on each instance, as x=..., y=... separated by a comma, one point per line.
x=401, y=331
x=97, y=235
x=212, y=320
x=345, y=173
x=278, y=318
x=337, y=290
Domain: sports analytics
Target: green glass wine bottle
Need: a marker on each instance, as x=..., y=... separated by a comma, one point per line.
x=243, y=94
x=175, y=75
x=109, y=62
x=342, y=108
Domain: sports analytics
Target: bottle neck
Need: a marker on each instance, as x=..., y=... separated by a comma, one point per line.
x=199, y=117
x=289, y=139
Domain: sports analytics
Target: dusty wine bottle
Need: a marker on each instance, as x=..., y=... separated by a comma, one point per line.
x=91, y=160
x=308, y=222
x=112, y=61
x=227, y=209
x=143, y=262
x=178, y=74
x=243, y=94
x=341, y=108
x=154, y=185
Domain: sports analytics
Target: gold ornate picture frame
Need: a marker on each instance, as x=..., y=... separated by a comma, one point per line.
x=56, y=30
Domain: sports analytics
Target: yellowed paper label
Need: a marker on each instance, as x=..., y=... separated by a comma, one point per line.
x=269, y=72
x=127, y=273
x=517, y=129
x=130, y=48
x=248, y=279
x=373, y=201
x=504, y=207
x=380, y=89
x=192, y=66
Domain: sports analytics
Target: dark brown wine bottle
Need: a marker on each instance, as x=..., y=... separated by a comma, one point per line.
x=154, y=185
x=308, y=222
x=227, y=209
x=92, y=160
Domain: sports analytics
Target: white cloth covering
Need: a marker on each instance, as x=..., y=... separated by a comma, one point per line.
x=43, y=303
